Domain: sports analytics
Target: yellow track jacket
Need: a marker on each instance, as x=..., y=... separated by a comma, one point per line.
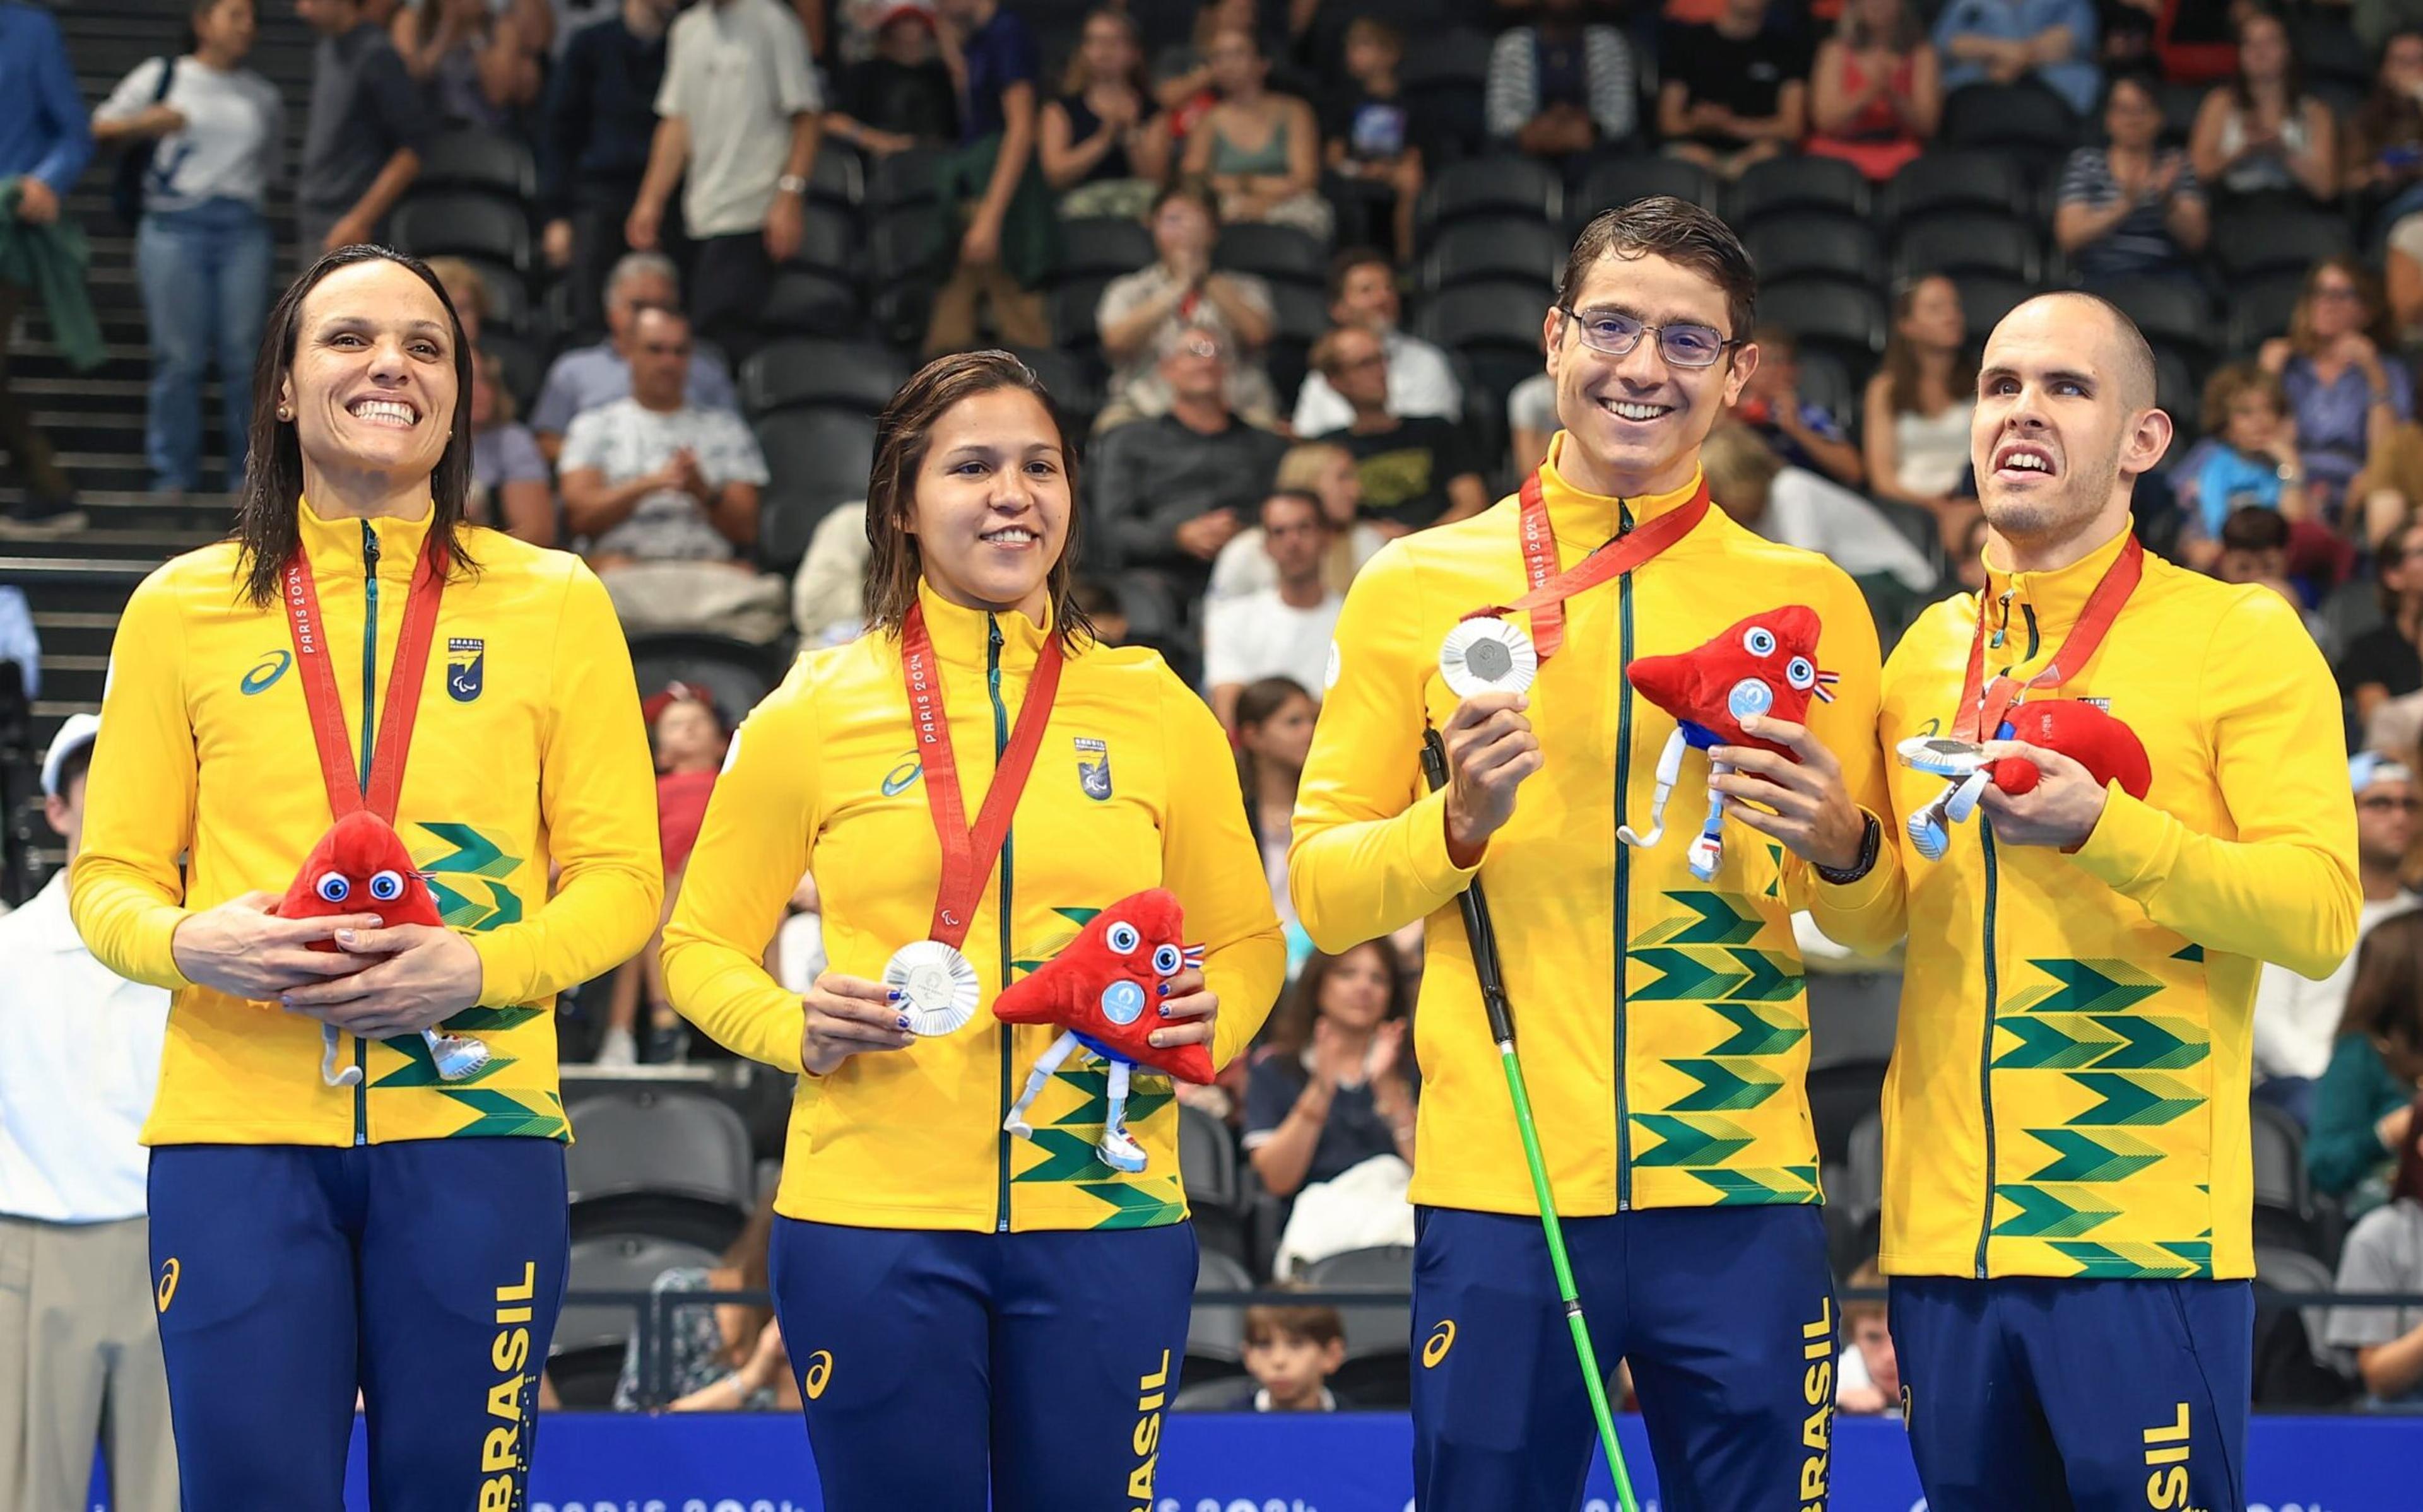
x=1662, y=1021
x=1133, y=788
x=2068, y=1089
x=528, y=754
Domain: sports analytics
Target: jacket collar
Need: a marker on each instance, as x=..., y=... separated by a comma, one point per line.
x=336, y=545
x=1587, y=521
x=963, y=636
x=2052, y=600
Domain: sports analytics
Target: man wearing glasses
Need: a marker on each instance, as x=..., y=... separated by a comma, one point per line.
x=1661, y=1018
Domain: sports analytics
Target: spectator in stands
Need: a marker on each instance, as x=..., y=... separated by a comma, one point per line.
x=1291, y=1353
x=1182, y=74
x=1531, y=420
x=1369, y=131
x=994, y=187
x=595, y=135
x=903, y=96
x=738, y=128
x=1421, y=381
x=1969, y=557
x=2262, y=132
x=1803, y=434
x=217, y=133
x=1876, y=90
x=2384, y=1254
x=2385, y=142
x=2253, y=548
x=44, y=143
x=828, y=595
x=472, y=59
x=1416, y=470
x=727, y=1357
x=2388, y=489
x=585, y=378
x=1105, y=146
x=2248, y=457
x=2363, y=1116
x=363, y=139
x=1144, y=315
x=1284, y=630
x=1917, y=407
x=1798, y=508
x=665, y=494
x=1735, y=90
x=467, y=290
x=2296, y=1021
x=1867, y=1374
x=2346, y=391
x=2003, y=42
x=1171, y=491
x=1260, y=150
x=512, y=488
x=1333, y=1085
x=1326, y=471
x=687, y=734
x=1561, y=88
x=1273, y=717
x=2130, y=208
x=2382, y=664
x=80, y=1362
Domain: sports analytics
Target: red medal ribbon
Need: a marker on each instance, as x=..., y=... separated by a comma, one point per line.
x=348, y=789
x=1546, y=602
x=1984, y=705
x=967, y=855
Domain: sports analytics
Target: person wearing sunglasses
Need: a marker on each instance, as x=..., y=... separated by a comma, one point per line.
x=1695, y=1233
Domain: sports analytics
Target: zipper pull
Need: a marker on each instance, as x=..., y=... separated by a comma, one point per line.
x=2001, y=632
x=370, y=549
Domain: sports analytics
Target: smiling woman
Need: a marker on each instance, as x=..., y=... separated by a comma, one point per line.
x=988, y=1310
x=296, y=1208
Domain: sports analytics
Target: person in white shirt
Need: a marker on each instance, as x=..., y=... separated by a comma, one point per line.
x=585, y=378
x=202, y=250
x=1284, y=630
x=1796, y=508
x=1326, y=471
x=1363, y=291
x=2297, y=1022
x=739, y=116
x=79, y=1062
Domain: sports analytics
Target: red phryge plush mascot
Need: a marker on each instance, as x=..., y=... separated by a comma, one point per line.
x=1765, y=665
x=361, y=866
x=1104, y=993
x=2086, y=732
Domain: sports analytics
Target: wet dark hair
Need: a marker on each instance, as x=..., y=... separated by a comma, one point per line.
x=267, y=526
x=1674, y=229
x=902, y=433
x=2384, y=1001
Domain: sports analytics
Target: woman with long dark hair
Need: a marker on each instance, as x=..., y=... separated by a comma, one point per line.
x=1332, y=1087
x=1104, y=148
x=2346, y=387
x=976, y=1288
x=2384, y=1254
x=2363, y=1118
x=1918, y=406
x=394, y=1228
x=1275, y=718
x=2261, y=132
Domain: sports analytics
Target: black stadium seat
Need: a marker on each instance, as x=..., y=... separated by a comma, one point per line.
x=828, y=240
x=673, y=1164
x=2259, y=309
x=1986, y=297
x=585, y=1361
x=738, y=673
x=1215, y=1331
x=1846, y=318
x=903, y=178
x=1279, y=254
x=2248, y=240
x=1784, y=184
x=1793, y=243
x=481, y=162
x=815, y=459
x=814, y=374
x=1619, y=181
x=464, y=225
x=2024, y=119
x=1103, y=245
x=1379, y=1338
x=509, y=298
x=2171, y=311
x=1970, y=241
x=1070, y=381
x=1952, y=183
x=1478, y=251
x=810, y=302
x=1493, y=186
x=1072, y=305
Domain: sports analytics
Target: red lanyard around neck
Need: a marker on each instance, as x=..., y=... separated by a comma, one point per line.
x=1550, y=587
x=1983, y=704
x=348, y=788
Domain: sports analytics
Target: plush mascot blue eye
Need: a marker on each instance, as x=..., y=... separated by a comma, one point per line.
x=333, y=887
x=1122, y=938
x=1165, y=960
x=386, y=887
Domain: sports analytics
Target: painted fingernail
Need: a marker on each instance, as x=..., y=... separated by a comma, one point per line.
x=892, y=995
x=904, y=1020
x=1161, y=990
x=1164, y=1010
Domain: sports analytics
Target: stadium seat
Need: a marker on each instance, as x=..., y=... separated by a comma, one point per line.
x=1208, y=1162
x=2249, y=240
x=2177, y=392
x=1071, y=383
x=2261, y=309
x=2283, y=1203
x=828, y=242
x=1278, y=254
x=736, y=673
x=1496, y=315
x=464, y=224
x=904, y=244
x=1969, y=241
x=1789, y=243
x=1492, y=186
x=1103, y=246
x=591, y=1339
x=805, y=373
x=1072, y=305
x=1846, y=318
x=1952, y=183
x=2170, y=311
x=1478, y=251
x=1379, y=1338
x=2327, y=48
x=479, y=162
x=1299, y=313
x=810, y=302
x=517, y=357
x=1986, y=297
x=2024, y=121
x=1781, y=185
x=1856, y=1188
x=1826, y=383
x=668, y=1163
x=1619, y=181
x=2293, y=1368
x=509, y=299
x=2179, y=101
x=1215, y=1331
x=837, y=178
x=1839, y=1096
x=1445, y=81
x=903, y=178
x=818, y=459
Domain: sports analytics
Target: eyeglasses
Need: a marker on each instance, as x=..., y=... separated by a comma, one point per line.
x=1616, y=334
x=1201, y=349
x=2384, y=804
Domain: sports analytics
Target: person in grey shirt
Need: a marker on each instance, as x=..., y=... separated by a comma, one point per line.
x=586, y=378
x=363, y=139
x=2384, y=1254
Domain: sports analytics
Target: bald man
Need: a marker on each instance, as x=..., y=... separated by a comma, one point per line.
x=2067, y=1193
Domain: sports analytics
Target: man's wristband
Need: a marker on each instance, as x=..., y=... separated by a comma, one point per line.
x=1871, y=841
x=791, y=183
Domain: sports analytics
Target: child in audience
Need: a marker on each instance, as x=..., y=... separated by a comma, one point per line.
x=689, y=737
x=1369, y=129
x=2248, y=459
x=1867, y=1379
x=1292, y=1351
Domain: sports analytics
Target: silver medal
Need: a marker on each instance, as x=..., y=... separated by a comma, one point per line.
x=1487, y=654
x=938, y=988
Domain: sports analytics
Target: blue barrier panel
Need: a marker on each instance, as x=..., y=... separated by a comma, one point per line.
x=1349, y=1462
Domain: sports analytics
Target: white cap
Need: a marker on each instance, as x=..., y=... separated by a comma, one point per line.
x=79, y=731
x=2365, y=768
